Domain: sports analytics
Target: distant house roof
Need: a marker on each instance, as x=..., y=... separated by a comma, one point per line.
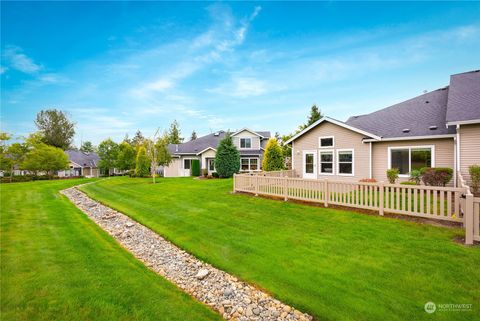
x=202, y=143
x=423, y=115
x=464, y=98
x=83, y=159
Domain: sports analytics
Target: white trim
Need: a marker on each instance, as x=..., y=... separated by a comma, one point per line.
x=370, y=161
x=250, y=164
x=353, y=161
x=314, y=174
x=76, y=164
x=455, y=142
x=458, y=147
x=293, y=156
x=248, y=130
x=322, y=137
x=390, y=148
x=333, y=121
x=463, y=122
x=203, y=151
x=320, y=161
x=240, y=142
x=409, y=138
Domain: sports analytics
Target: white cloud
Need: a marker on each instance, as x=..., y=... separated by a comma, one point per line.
x=20, y=61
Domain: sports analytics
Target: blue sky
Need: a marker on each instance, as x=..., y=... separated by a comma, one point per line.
x=121, y=66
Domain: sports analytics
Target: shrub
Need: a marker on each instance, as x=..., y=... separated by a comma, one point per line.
x=205, y=172
x=368, y=180
x=409, y=183
x=273, y=156
x=392, y=175
x=474, y=171
x=195, y=167
x=215, y=174
x=142, y=168
x=415, y=176
x=436, y=176
x=227, y=159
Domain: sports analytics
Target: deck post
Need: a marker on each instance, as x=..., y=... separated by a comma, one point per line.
x=285, y=189
x=381, y=198
x=327, y=193
x=256, y=185
x=468, y=218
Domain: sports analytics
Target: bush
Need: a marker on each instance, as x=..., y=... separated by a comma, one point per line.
x=195, y=167
x=436, y=176
x=215, y=174
x=368, y=180
x=392, y=175
x=227, y=159
x=205, y=172
x=142, y=168
x=408, y=183
x=474, y=171
x=273, y=156
x=415, y=176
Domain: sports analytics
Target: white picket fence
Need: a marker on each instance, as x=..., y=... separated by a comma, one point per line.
x=433, y=202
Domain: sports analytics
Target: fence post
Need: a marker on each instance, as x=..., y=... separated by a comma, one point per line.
x=381, y=198
x=327, y=193
x=285, y=189
x=234, y=183
x=256, y=185
x=468, y=219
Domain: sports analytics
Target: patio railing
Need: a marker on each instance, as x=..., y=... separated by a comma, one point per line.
x=432, y=202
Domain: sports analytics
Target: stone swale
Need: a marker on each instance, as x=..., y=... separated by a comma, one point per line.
x=232, y=298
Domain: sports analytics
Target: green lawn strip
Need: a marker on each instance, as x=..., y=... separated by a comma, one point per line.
x=337, y=265
x=56, y=264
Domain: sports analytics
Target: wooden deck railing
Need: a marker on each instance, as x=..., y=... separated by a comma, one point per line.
x=282, y=173
x=433, y=202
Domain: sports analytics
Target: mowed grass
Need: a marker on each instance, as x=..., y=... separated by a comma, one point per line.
x=336, y=265
x=56, y=264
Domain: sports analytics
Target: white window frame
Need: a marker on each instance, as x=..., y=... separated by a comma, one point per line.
x=320, y=161
x=320, y=142
x=338, y=161
x=240, y=142
x=390, y=148
x=250, y=164
x=183, y=162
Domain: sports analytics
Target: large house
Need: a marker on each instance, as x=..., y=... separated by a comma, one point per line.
x=440, y=128
x=81, y=164
x=251, y=145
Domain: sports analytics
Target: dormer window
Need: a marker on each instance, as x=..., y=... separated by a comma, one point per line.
x=325, y=142
x=245, y=143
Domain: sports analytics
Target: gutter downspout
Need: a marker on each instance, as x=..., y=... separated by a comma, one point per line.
x=370, y=154
x=457, y=158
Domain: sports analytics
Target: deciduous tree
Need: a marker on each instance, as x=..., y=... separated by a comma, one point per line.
x=56, y=129
x=108, y=153
x=126, y=156
x=45, y=158
x=142, y=168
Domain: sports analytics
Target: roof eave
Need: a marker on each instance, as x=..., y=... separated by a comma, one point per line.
x=463, y=122
x=388, y=139
x=249, y=130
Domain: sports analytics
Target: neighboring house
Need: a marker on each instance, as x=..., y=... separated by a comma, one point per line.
x=81, y=164
x=251, y=145
x=437, y=129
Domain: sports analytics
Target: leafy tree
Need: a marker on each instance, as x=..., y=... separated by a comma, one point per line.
x=45, y=158
x=17, y=153
x=138, y=139
x=227, y=159
x=126, y=156
x=194, y=135
x=87, y=147
x=108, y=153
x=163, y=155
x=143, y=163
x=57, y=130
x=273, y=156
x=174, y=133
x=34, y=139
x=6, y=162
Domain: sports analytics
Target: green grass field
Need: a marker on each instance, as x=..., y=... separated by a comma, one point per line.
x=56, y=264
x=334, y=264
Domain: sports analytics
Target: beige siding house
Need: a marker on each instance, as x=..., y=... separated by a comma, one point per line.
x=250, y=144
x=437, y=129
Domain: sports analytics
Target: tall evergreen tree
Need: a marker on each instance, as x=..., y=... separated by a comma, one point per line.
x=174, y=133
x=142, y=168
x=87, y=147
x=56, y=129
x=138, y=139
x=227, y=159
x=273, y=157
x=315, y=114
x=194, y=135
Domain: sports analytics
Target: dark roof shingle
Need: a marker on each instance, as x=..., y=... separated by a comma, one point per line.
x=464, y=97
x=83, y=159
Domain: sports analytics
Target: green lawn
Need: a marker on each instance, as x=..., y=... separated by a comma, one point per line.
x=56, y=264
x=336, y=265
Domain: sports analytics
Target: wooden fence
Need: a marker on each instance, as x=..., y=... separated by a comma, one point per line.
x=282, y=173
x=433, y=202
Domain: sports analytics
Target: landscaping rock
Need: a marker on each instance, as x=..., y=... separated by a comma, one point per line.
x=231, y=298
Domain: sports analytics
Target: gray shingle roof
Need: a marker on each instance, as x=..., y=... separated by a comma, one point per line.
x=83, y=159
x=417, y=115
x=202, y=143
x=464, y=97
